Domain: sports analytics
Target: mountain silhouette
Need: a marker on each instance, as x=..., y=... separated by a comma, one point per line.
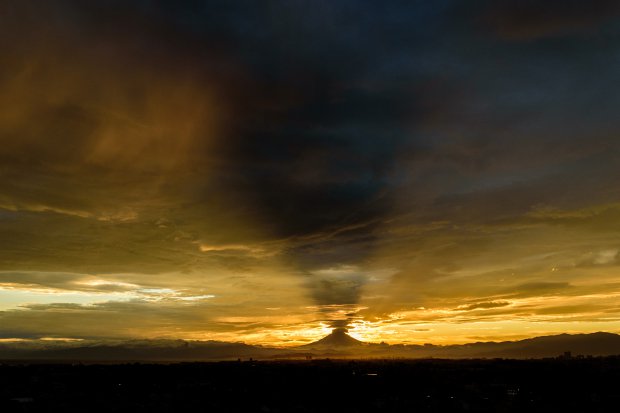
x=337, y=344
x=337, y=339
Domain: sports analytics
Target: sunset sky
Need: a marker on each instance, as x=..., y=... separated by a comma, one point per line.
x=264, y=171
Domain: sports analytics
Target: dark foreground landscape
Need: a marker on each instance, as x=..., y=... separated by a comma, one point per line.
x=549, y=385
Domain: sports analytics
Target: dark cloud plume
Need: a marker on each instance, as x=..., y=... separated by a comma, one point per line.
x=368, y=151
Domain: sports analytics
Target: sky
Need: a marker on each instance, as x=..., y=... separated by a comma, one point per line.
x=413, y=171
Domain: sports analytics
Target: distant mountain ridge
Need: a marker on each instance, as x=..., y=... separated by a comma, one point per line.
x=338, y=344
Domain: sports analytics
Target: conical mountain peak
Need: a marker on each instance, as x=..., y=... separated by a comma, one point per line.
x=337, y=338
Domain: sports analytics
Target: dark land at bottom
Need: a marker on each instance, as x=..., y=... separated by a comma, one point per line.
x=548, y=385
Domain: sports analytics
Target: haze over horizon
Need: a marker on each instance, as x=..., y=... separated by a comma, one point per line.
x=413, y=171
